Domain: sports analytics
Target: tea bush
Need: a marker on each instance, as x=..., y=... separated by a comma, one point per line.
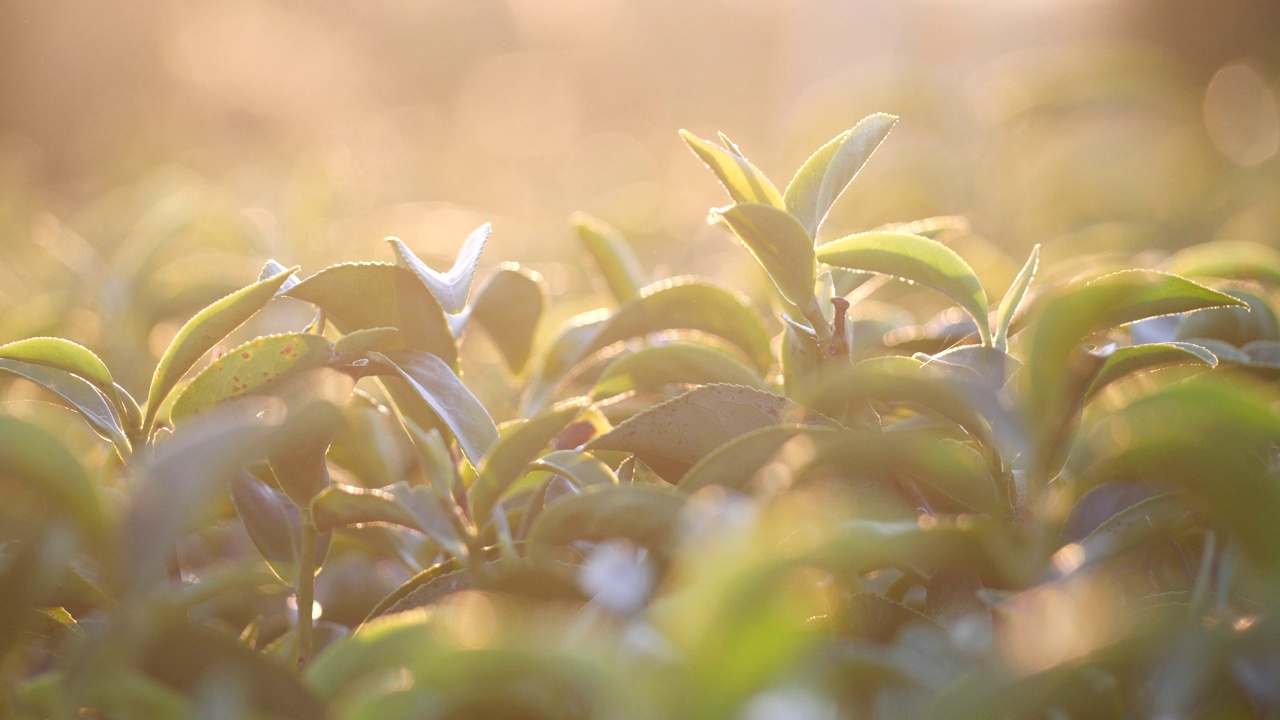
x=1061, y=504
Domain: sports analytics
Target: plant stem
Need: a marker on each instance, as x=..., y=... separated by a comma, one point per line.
x=306, y=590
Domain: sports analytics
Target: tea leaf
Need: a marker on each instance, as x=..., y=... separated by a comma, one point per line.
x=356, y=296
x=508, y=307
x=645, y=514
x=825, y=175
x=674, y=435
x=450, y=288
x=442, y=390
x=202, y=332
x=735, y=463
x=1232, y=259
x=738, y=176
x=272, y=268
x=364, y=340
x=63, y=355
x=1150, y=293
x=617, y=263
x=677, y=363
x=273, y=523
x=580, y=468
x=1136, y=526
x=92, y=405
x=417, y=508
x=506, y=461
x=249, y=369
x=779, y=244
x=915, y=259
x=1013, y=298
x=1126, y=361
x=44, y=466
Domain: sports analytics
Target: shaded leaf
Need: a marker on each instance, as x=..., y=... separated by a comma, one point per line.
x=417, y=508
x=738, y=176
x=1013, y=298
x=202, y=332
x=645, y=514
x=450, y=288
x=614, y=258
x=251, y=368
x=92, y=405
x=779, y=244
x=508, y=307
x=677, y=363
x=580, y=468
x=916, y=259
x=826, y=174
x=437, y=384
x=1236, y=325
x=356, y=296
x=1136, y=526
x=735, y=463
x=674, y=435
x=273, y=523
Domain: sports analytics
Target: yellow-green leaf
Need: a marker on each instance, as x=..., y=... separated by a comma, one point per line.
x=743, y=181
x=781, y=246
x=249, y=368
x=826, y=174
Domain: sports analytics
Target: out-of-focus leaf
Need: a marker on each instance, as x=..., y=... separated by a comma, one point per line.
x=1236, y=325
x=618, y=265
x=363, y=340
x=511, y=454
x=992, y=365
x=437, y=384
x=416, y=508
x=735, y=463
x=92, y=405
x=355, y=296
x=1013, y=298
x=1122, y=362
x=915, y=259
x=369, y=443
x=444, y=577
x=248, y=369
x=202, y=332
x=677, y=363
x=861, y=546
x=738, y=176
x=273, y=523
x=1228, y=259
x=674, y=435
x=450, y=288
x=1136, y=526
x=313, y=412
x=580, y=468
x=645, y=514
x=826, y=174
x=43, y=465
x=1150, y=293
x=780, y=244
x=188, y=658
x=508, y=307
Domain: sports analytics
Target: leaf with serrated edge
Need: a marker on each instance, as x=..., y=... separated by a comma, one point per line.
x=738, y=176
x=615, y=259
x=450, y=288
x=1013, y=298
x=249, y=368
x=506, y=461
x=825, y=175
x=916, y=259
x=92, y=405
x=202, y=332
x=1151, y=293
x=437, y=384
x=779, y=244
x=1126, y=361
x=62, y=355
x=272, y=268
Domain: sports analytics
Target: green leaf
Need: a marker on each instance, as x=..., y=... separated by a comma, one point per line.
x=436, y=383
x=915, y=259
x=735, y=463
x=508, y=307
x=298, y=450
x=861, y=546
x=617, y=263
x=506, y=461
x=92, y=405
x=1137, y=526
x=364, y=340
x=1236, y=325
x=1150, y=293
x=689, y=363
x=1122, y=362
x=251, y=368
x=1233, y=259
x=63, y=355
x=1013, y=298
x=743, y=181
x=272, y=522
x=674, y=435
x=648, y=515
x=450, y=288
x=44, y=466
x=192, y=659
x=779, y=244
x=580, y=468
x=826, y=174
x=202, y=332
x=356, y=296
x=417, y=508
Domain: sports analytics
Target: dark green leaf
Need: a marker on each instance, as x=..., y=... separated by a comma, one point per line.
x=738, y=176
x=614, y=258
x=735, y=463
x=273, y=523
x=417, y=508
x=202, y=332
x=915, y=259
x=645, y=514
x=1138, y=525
x=779, y=244
x=450, y=288
x=826, y=174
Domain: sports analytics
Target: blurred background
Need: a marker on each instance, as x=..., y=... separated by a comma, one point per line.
x=154, y=152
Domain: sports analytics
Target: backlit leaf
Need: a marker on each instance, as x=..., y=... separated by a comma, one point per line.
x=508, y=307
x=1013, y=298
x=677, y=363
x=251, y=368
x=645, y=514
x=44, y=466
x=450, y=288
x=1125, y=361
x=826, y=174
x=1233, y=259
x=779, y=244
x=417, y=508
x=614, y=258
x=92, y=405
x=738, y=176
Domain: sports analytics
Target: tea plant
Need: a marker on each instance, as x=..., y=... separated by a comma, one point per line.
x=1060, y=508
